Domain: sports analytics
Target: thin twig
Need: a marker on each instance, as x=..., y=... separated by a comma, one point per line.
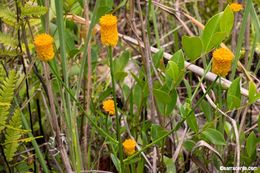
x=243, y=119
x=178, y=149
x=251, y=128
x=234, y=33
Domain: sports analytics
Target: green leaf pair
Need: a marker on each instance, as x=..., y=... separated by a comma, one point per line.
x=175, y=70
x=186, y=112
x=165, y=101
x=215, y=31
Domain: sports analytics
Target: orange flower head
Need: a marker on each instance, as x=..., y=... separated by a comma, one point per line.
x=108, y=29
x=109, y=106
x=235, y=7
x=44, y=48
x=222, y=59
x=129, y=146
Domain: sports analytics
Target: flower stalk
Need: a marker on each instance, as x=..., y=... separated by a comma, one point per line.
x=110, y=52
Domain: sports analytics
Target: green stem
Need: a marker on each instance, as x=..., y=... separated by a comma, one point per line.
x=251, y=56
x=87, y=41
x=151, y=9
x=61, y=32
x=176, y=127
x=110, y=54
x=220, y=104
x=202, y=78
x=219, y=88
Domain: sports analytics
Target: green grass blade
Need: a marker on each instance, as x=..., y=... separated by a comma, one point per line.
x=74, y=135
x=240, y=39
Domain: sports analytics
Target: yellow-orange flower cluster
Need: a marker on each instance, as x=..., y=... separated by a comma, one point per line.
x=235, y=7
x=129, y=146
x=109, y=106
x=222, y=59
x=108, y=29
x=44, y=47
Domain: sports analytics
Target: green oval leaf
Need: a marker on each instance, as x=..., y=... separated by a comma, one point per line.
x=172, y=71
x=214, y=136
x=227, y=20
x=178, y=58
x=156, y=132
x=161, y=96
x=192, y=47
x=169, y=107
x=217, y=38
x=253, y=95
x=192, y=122
x=210, y=29
x=251, y=144
x=189, y=144
x=157, y=58
x=206, y=109
x=234, y=94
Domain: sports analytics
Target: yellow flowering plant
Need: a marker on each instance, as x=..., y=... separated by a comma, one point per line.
x=236, y=7
x=109, y=106
x=44, y=47
x=129, y=146
x=108, y=29
x=222, y=59
x=216, y=30
x=109, y=37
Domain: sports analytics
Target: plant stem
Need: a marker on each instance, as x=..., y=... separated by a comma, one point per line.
x=88, y=95
x=151, y=9
x=202, y=78
x=251, y=56
x=110, y=52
